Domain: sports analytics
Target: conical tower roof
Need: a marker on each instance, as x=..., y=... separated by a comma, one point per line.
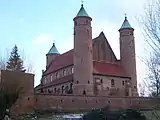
x=53, y=50
x=125, y=24
x=82, y=12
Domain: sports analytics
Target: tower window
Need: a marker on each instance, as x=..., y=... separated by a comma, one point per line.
x=88, y=82
x=112, y=83
x=101, y=80
x=77, y=81
x=123, y=83
x=84, y=92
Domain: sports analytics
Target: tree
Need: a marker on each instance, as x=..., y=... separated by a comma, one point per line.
x=9, y=93
x=15, y=63
x=27, y=63
x=151, y=30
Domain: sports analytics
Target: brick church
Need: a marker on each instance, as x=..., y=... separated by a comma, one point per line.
x=91, y=67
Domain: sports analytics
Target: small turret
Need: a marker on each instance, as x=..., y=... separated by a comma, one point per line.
x=52, y=54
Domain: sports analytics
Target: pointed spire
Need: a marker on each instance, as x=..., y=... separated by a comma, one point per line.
x=53, y=50
x=82, y=12
x=125, y=24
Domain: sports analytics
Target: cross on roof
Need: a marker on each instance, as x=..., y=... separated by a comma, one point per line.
x=125, y=14
x=82, y=1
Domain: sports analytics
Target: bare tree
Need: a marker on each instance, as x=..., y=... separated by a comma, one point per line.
x=154, y=74
x=151, y=30
x=9, y=93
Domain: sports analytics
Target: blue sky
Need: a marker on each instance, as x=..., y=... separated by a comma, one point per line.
x=34, y=24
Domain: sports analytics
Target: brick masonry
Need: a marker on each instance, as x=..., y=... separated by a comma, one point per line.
x=28, y=101
x=46, y=101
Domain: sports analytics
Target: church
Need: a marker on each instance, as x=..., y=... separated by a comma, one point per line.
x=91, y=67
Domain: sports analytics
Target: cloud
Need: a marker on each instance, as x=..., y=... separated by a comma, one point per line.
x=42, y=38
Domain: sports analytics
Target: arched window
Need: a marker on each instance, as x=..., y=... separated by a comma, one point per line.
x=77, y=82
x=64, y=72
x=123, y=83
x=72, y=70
x=71, y=85
x=70, y=91
x=57, y=75
x=66, y=89
x=112, y=83
x=84, y=92
x=55, y=90
x=62, y=89
x=101, y=80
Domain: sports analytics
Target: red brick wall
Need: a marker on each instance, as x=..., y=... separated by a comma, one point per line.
x=44, y=101
x=25, y=103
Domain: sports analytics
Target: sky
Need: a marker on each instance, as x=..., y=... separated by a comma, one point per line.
x=33, y=25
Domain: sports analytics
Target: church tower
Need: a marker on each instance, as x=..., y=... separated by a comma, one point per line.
x=127, y=54
x=83, y=65
x=51, y=55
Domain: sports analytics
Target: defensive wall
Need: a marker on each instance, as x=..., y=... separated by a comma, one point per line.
x=73, y=102
x=29, y=101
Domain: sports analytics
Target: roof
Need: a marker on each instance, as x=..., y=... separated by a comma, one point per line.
x=53, y=50
x=82, y=12
x=101, y=67
x=125, y=24
x=60, y=61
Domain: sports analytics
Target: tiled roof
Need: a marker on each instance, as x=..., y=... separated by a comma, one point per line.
x=100, y=67
x=61, y=61
x=108, y=68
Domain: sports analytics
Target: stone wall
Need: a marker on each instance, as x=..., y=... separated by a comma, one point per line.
x=70, y=102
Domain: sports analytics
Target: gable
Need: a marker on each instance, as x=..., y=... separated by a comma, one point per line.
x=102, y=50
